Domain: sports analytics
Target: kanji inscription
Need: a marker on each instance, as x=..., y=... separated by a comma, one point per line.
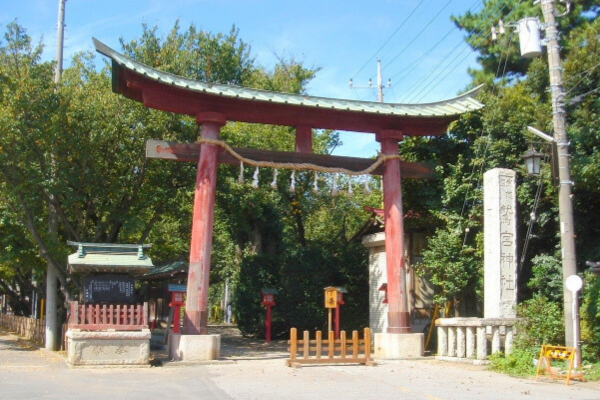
x=500, y=249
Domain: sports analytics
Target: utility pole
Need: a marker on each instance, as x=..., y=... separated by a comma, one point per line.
x=52, y=328
x=60, y=40
x=379, y=86
x=565, y=205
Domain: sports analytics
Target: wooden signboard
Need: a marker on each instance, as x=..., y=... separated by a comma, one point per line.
x=109, y=288
x=330, y=297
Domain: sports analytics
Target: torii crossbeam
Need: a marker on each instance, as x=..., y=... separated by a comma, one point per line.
x=214, y=104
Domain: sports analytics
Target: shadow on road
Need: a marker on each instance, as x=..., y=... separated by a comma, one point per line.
x=233, y=345
x=6, y=343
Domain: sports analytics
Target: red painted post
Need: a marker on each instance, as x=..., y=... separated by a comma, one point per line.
x=336, y=321
x=176, y=318
x=196, y=306
x=268, y=324
x=303, y=139
x=398, y=314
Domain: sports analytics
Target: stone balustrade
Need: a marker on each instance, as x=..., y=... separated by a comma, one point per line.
x=466, y=339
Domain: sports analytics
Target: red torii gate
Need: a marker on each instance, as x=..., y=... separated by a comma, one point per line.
x=214, y=104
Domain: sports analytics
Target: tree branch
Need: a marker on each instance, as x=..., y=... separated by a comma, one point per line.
x=43, y=250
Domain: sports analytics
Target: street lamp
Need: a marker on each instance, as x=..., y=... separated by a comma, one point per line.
x=533, y=158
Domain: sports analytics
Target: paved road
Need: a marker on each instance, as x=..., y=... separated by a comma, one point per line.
x=257, y=371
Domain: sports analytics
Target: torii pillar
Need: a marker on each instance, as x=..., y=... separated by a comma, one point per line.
x=398, y=341
x=196, y=306
x=195, y=344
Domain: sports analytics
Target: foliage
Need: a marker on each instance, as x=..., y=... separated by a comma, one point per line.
x=78, y=146
x=60, y=139
x=194, y=54
x=518, y=363
x=590, y=319
x=300, y=277
x=28, y=117
x=582, y=79
x=547, y=277
x=504, y=51
x=592, y=373
x=541, y=322
x=496, y=137
x=454, y=267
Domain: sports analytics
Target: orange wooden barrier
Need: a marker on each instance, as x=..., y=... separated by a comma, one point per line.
x=341, y=351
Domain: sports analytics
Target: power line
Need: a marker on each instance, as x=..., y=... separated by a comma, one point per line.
x=389, y=38
x=433, y=81
x=414, y=64
x=586, y=72
x=420, y=33
x=487, y=145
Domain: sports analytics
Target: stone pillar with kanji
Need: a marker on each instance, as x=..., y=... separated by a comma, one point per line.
x=500, y=243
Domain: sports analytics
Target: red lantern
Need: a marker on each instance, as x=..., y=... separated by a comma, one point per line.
x=268, y=300
x=177, y=301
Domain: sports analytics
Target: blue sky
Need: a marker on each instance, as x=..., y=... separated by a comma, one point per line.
x=419, y=47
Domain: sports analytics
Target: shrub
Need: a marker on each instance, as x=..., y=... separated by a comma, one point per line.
x=541, y=322
x=518, y=362
x=590, y=319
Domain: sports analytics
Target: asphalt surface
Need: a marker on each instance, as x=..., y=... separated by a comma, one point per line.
x=250, y=369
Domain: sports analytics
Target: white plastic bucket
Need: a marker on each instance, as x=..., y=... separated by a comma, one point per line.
x=529, y=37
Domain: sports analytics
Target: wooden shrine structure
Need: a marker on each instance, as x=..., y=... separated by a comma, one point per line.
x=213, y=105
x=106, y=325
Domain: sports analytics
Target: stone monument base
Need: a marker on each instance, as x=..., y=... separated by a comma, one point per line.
x=194, y=347
x=105, y=348
x=399, y=345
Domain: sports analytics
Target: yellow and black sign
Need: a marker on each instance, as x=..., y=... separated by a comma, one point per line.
x=550, y=353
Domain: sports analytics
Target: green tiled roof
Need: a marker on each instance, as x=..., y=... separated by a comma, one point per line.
x=109, y=257
x=166, y=270
x=450, y=107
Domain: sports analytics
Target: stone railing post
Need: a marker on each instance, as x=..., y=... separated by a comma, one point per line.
x=470, y=341
x=481, y=343
x=495, y=339
x=452, y=341
x=508, y=340
x=465, y=339
x=460, y=342
x=442, y=340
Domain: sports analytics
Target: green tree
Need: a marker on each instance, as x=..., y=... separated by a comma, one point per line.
x=516, y=96
x=79, y=147
x=501, y=59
